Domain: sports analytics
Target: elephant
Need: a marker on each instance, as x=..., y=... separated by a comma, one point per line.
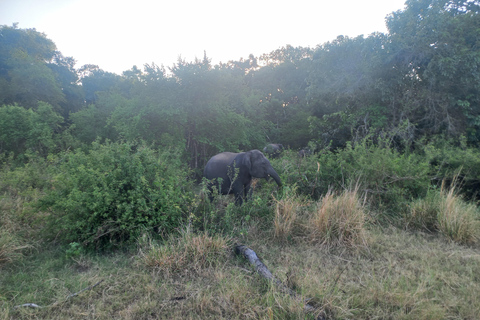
x=304, y=153
x=273, y=150
x=236, y=171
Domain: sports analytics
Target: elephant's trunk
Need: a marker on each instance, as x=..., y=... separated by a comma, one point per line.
x=275, y=176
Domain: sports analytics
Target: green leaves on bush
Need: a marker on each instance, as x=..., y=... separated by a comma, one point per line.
x=113, y=192
x=386, y=177
x=27, y=129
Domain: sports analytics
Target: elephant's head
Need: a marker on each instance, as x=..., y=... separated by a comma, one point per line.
x=259, y=166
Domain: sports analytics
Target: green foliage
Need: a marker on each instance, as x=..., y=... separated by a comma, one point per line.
x=74, y=250
x=23, y=130
x=115, y=191
x=222, y=216
x=452, y=160
x=15, y=126
x=31, y=70
x=385, y=176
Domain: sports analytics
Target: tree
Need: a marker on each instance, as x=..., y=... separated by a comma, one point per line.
x=434, y=45
x=31, y=70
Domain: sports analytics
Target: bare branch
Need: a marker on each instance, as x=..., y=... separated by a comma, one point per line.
x=262, y=270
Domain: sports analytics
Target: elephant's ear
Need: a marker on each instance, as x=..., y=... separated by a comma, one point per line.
x=247, y=160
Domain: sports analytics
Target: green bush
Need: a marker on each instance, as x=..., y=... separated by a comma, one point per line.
x=451, y=161
x=115, y=191
x=386, y=178
x=27, y=129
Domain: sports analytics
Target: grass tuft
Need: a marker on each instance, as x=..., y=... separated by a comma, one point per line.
x=12, y=229
x=338, y=220
x=287, y=216
x=11, y=247
x=457, y=219
x=446, y=212
x=190, y=251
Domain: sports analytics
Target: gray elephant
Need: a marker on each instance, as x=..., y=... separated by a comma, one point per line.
x=304, y=153
x=236, y=171
x=273, y=150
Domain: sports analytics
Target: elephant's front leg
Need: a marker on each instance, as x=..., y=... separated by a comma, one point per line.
x=237, y=189
x=248, y=191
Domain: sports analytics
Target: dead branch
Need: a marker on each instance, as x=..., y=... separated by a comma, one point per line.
x=31, y=305
x=262, y=270
x=84, y=289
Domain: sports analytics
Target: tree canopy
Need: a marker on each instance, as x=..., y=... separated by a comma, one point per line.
x=418, y=81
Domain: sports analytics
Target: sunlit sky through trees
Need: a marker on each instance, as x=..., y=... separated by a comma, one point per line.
x=115, y=35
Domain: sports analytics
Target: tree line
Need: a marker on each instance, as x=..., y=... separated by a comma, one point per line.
x=419, y=82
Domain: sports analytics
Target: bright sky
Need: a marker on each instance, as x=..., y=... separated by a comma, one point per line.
x=116, y=34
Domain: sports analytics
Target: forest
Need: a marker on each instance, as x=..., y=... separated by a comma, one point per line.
x=101, y=178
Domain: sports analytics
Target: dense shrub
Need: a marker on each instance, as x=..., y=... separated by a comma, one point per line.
x=451, y=161
x=113, y=192
x=385, y=177
x=27, y=129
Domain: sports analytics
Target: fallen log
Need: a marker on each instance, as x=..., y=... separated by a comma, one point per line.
x=262, y=270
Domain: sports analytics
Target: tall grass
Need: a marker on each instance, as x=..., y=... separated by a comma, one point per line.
x=288, y=215
x=446, y=212
x=335, y=220
x=14, y=233
x=11, y=247
x=457, y=219
x=338, y=220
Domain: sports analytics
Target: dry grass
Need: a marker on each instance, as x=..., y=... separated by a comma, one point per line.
x=287, y=216
x=11, y=247
x=403, y=275
x=400, y=275
x=190, y=251
x=335, y=220
x=446, y=212
x=338, y=220
x=457, y=219
x=12, y=230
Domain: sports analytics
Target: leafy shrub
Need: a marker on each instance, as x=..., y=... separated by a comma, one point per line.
x=221, y=215
x=35, y=130
x=113, y=192
x=386, y=177
x=452, y=161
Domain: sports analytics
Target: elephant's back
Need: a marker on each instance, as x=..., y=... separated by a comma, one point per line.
x=216, y=164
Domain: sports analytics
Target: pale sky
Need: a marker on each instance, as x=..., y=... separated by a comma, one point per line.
x=116, y=34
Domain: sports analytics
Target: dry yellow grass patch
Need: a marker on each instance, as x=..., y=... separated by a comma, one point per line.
x=189, y=251
x=457, y=219
x=447, y=212
x=338, y=220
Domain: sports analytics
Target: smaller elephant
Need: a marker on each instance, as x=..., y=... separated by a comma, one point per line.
x=304, y=153
x=236, y=171
x=273, y=150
